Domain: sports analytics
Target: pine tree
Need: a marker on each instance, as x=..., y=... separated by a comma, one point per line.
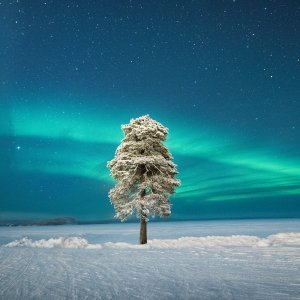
x=144, y=172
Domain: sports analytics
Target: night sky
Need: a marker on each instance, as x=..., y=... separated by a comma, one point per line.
x=223, y=76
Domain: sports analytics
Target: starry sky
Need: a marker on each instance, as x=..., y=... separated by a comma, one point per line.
x=223, y=76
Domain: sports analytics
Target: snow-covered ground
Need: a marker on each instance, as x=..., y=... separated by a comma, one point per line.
x=257, y=259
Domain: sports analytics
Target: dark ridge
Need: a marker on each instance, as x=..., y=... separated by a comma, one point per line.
x=43, y=222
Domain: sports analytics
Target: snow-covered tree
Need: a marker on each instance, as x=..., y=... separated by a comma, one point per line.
x=144, y=172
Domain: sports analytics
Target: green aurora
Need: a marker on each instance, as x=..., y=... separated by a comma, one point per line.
x=214, y=167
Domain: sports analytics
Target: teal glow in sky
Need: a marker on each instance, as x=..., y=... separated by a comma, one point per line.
x=223, y=77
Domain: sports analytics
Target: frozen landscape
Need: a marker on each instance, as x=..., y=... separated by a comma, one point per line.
x=244, y=259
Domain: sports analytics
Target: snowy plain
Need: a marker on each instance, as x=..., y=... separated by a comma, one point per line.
x=237, y=259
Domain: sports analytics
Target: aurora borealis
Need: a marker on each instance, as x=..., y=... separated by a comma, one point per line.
x=222, y=76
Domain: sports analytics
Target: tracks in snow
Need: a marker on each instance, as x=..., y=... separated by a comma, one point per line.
x=31, y=273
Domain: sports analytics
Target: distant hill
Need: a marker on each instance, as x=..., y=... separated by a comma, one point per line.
x=42, y=222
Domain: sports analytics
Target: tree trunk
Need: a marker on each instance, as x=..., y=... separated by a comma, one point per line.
x=143, y=230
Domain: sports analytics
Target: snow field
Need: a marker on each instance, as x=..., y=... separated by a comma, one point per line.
x=246, y=260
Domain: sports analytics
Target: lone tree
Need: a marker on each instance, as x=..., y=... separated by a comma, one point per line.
x=144, y=172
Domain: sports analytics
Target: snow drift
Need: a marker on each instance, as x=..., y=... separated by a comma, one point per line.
x=289, y=239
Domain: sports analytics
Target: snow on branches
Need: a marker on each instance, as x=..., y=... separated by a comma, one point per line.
x=144, y=171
